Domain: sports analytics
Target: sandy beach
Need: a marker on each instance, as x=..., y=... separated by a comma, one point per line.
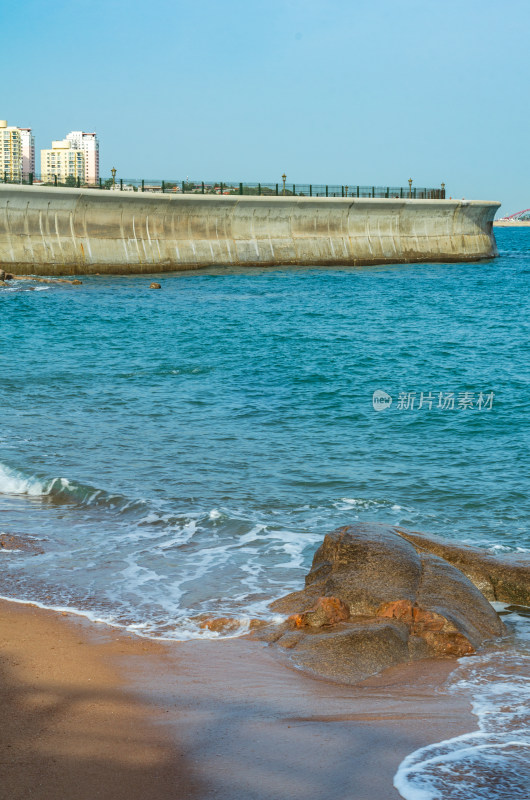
x=90, y=712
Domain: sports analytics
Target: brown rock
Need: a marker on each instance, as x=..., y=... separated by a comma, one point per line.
x=327, y=611
x=373, y=598
x=439, y=634
x=10, y=541
x=220, y=624
x=256, y=624
x=397, y=609
x=505, y=578
x=76, y=282
x=155, y=286
x=364, y=565
x=350, y=652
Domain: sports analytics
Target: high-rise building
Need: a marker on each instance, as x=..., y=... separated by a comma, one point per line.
x=10, y=152
x=62, y=161
x=28, y=152
x=88, y=143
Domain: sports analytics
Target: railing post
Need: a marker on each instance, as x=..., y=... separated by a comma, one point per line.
x=326, y=191
x=240, y=188
x=401, y=191
x=202, y=187
x=55, y=180
x=259, y=188
x=78, y=182
x=294, y=190
x=163, y=187
x=143, y=185
x=388, y=191
x=31, y=178
x=121, y=184
x=221, y=186
x=373, y=191
x=342, y=188
x=310, y=190
x=276, y=190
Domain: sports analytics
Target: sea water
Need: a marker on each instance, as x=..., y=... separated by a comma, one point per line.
x=182, y=452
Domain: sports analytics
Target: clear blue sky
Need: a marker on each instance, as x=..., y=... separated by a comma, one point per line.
x=329, y=91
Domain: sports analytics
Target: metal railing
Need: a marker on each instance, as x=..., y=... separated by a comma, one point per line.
x=188, y=186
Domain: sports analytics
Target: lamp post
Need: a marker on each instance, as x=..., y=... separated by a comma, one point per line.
x=346, y=191
x=410, y=187
x=443, y=191
x=113, y=173
x=284, y=178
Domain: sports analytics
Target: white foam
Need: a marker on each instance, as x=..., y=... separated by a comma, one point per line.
x=183, y=537
x=491, y=763
x=367, y=504
x=469, y=767
x=14, y=482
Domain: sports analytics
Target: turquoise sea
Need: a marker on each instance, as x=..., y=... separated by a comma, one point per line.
x=183, y=451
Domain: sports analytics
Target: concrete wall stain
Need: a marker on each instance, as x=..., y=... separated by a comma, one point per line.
x=54, y=231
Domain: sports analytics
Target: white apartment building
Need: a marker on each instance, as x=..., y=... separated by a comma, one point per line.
x=27, y=141
x=88, y=143
x=62, y=161
x=17, y=152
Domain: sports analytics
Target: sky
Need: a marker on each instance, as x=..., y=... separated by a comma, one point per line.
x=368, y=92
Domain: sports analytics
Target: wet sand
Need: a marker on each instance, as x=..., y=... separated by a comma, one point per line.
x=90, y=712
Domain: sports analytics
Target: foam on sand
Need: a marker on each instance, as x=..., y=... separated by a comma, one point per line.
x=492, y=763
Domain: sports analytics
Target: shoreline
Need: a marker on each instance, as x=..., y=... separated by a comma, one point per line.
x=94, y=711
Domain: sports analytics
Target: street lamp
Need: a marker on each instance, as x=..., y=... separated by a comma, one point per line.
x=284, y=178
x=443, y=191
x=410, y=187
x=113, y=173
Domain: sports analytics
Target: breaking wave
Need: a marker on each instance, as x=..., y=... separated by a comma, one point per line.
x=61, y=490
x=492, y=763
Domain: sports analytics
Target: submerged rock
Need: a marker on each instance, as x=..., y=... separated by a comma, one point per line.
x=375, y=597
x=226, y=625
x=11, y=541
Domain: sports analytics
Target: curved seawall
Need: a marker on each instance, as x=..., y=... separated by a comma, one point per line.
x=59, y=231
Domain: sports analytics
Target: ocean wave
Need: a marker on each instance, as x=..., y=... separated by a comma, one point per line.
x=366, y=504
x=492, y=763
x=16, y=482
x=22, y=286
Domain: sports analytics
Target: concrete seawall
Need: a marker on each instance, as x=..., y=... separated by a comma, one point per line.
x=54, y=231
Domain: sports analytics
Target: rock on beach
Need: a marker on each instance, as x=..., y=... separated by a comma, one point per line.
x=378, y=596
